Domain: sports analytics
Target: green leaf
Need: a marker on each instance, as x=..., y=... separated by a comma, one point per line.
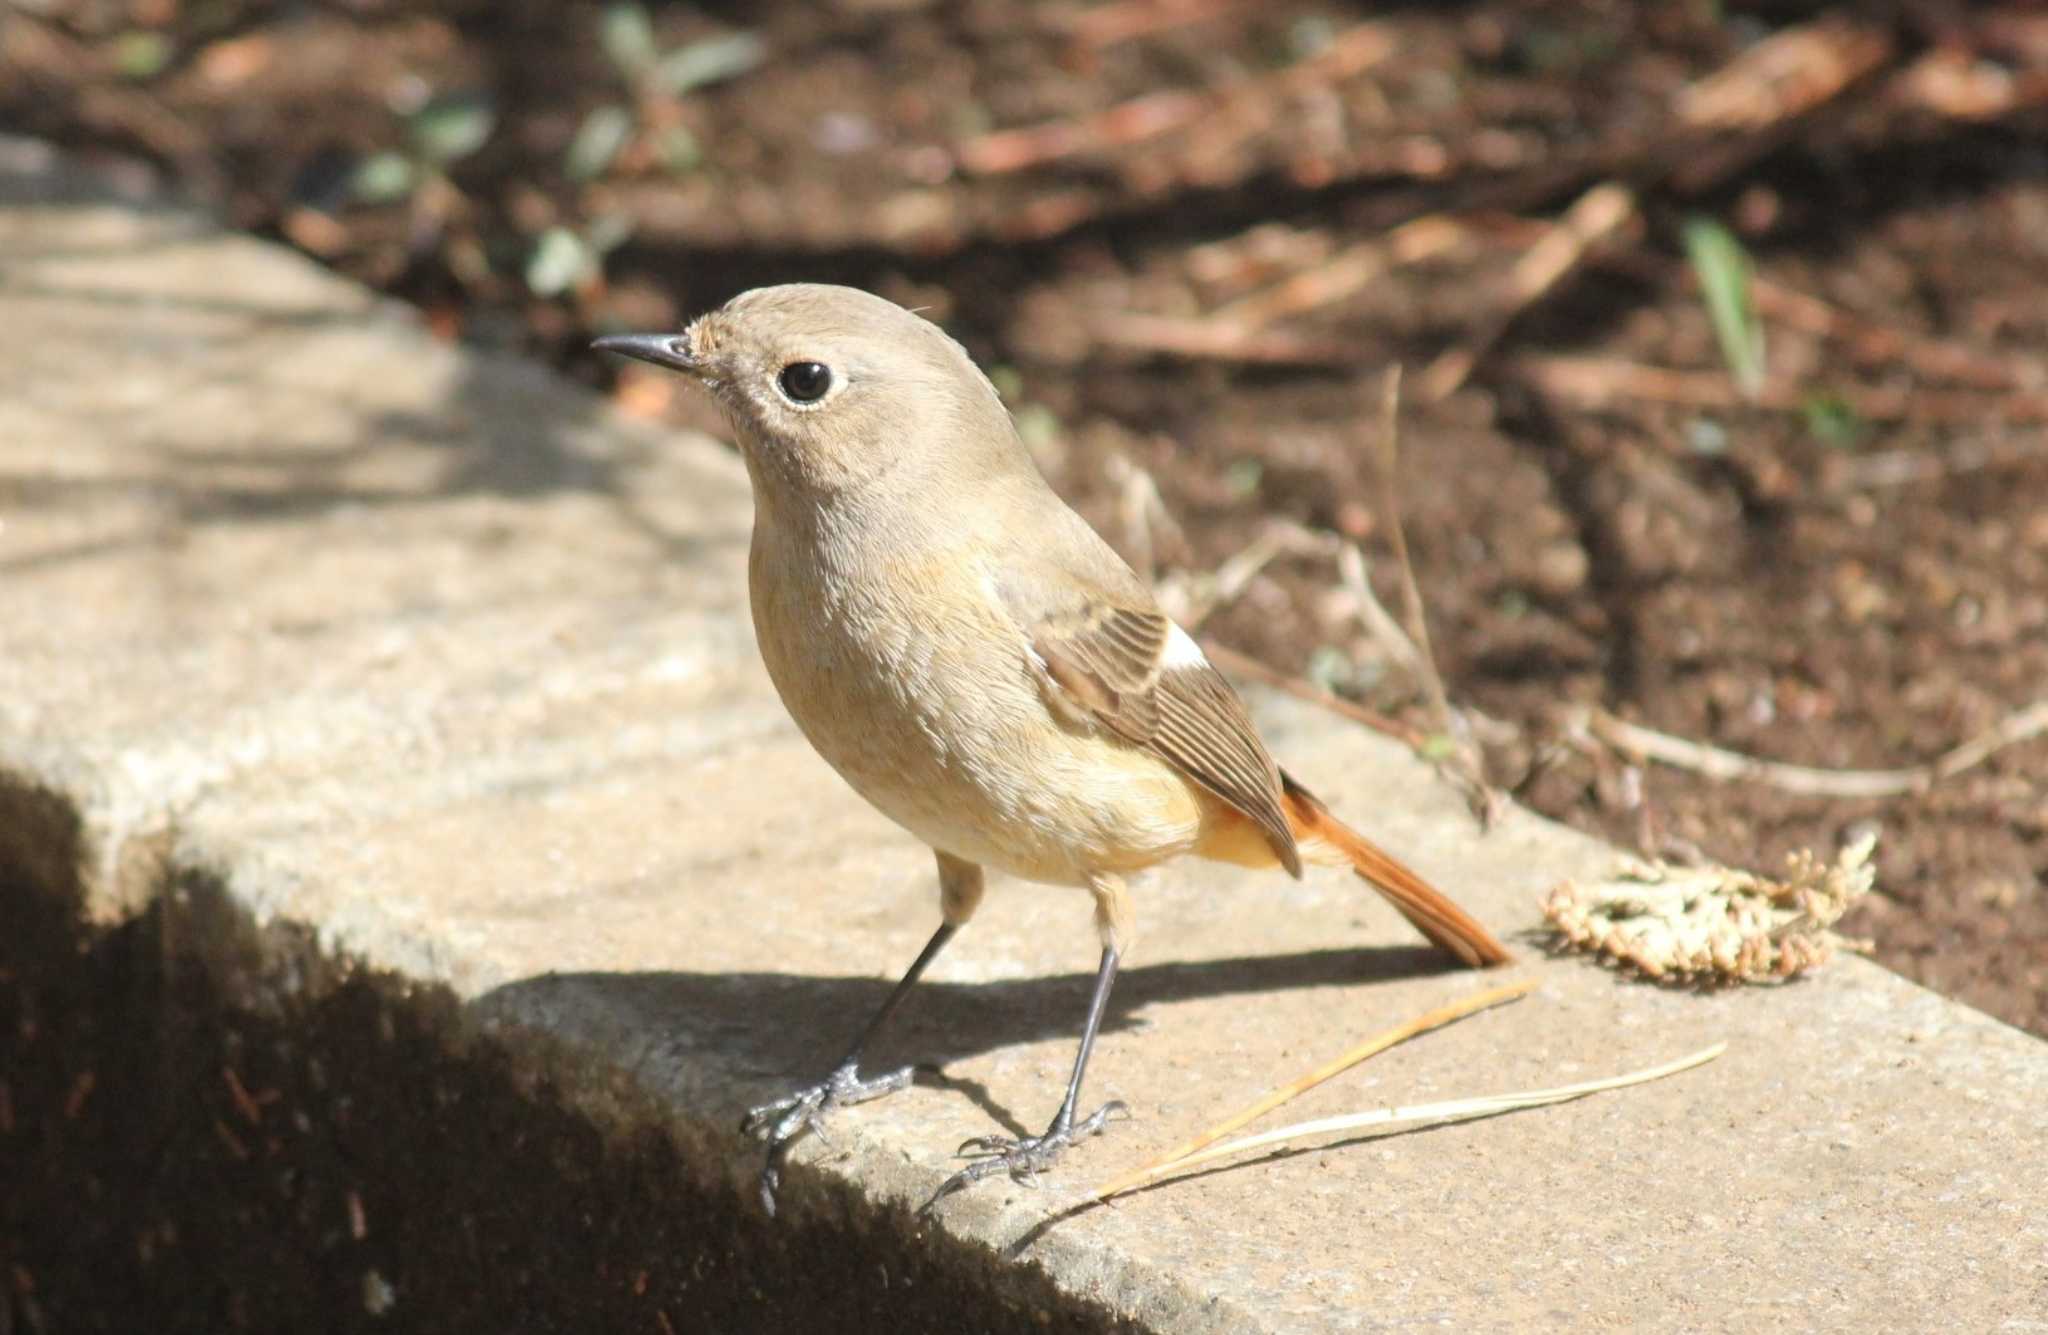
x=449, y=128
x=1437, y=746
x=710, y=61
x=383, y=177
x=598, y=141
x=1330, y=668
x=1723, y=268
x=1833, y=422
x=140, y=54
x=560, y=261
x=608, y=232
x=627, y=35
x=1037, y=425
x=678, y=150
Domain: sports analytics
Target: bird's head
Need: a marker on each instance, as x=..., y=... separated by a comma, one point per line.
x=831, y=389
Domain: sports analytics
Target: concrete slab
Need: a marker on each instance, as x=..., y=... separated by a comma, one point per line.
x=433, y=653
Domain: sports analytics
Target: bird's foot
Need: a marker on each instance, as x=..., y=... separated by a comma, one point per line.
x=787, y=1120
x=1024, y=1158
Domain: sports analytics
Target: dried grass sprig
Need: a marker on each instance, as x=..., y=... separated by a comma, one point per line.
x=1714, y=925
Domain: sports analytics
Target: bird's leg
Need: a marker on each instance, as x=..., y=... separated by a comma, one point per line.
x=787, y=1120
x=1023, y=1159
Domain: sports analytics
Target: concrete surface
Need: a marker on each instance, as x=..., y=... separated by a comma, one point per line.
x=437, y=655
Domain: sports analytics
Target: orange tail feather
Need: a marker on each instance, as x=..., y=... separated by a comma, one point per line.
x=1449, y=927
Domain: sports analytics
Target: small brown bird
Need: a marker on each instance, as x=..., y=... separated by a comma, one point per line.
x=977, y=662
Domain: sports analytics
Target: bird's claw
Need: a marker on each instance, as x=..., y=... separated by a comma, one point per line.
x=1023, y=1158
x=785, y=1121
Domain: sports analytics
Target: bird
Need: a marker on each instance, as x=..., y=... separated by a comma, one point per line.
x=979, y=665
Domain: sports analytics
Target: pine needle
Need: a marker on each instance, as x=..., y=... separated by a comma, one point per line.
x=1422, y=1112
x=1373, y=1046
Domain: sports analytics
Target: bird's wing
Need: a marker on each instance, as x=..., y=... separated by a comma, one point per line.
x=1131, y=670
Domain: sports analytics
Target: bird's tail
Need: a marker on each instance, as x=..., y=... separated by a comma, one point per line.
x=1434, y=915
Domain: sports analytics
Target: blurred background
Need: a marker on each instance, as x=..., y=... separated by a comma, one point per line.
x=1722, y=325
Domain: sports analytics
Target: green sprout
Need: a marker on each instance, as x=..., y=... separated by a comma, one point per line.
x=439, y=134
x=140, y=54
x=654, y=81
x=1723, y=268
x=566, y=260
x=1833, y=422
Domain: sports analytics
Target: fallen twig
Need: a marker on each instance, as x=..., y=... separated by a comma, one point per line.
x=1349, y=53
x=1348, y=271
x=1215, y=340
x=1599, y=382
x=1593, y=217
x=1192, y=597
x=1351, y=1057
x=1246, y=666
x=1786, y=74
x=1106, y=25
x=1867, y=342
x=1898, y=468
x=1379, y=622
x=1761, y=90
x=1956, y=83
x=1880, y=345
x=1715, y=762
x=1139, y=508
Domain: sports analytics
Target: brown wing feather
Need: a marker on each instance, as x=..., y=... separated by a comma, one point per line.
x=1108, y=659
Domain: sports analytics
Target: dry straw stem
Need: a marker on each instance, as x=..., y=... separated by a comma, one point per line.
x=1716, y=763
x=1245, y=665
x=1483, y=1106
x=1899, y=468
x=1106, y=25
x=1956, y=82
x=1753, y=96
x=1464, y=763
x=1884, y=347
x=1191, y=597
x=1592, y=218
x=1350, y=270
x=1785, y=75
x=1713, y=925
x=1209, y=339
x=1390, y=508
x=1601, y=382
x=1349, y=53
x=1371, y=1047
x=1139, y=508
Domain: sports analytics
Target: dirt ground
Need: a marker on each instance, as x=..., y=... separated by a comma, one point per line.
x=1188, y=236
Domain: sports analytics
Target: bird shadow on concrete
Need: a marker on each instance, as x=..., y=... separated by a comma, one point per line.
x=723, y=1041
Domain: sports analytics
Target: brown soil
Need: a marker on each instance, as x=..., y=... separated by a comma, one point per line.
x=1852, y=576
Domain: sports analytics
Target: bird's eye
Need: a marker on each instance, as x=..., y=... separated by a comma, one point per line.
x=805, y=382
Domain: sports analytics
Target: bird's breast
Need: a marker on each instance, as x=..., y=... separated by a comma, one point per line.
x=919, y=690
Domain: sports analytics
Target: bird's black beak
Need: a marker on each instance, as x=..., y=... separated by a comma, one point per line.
x=669, y=350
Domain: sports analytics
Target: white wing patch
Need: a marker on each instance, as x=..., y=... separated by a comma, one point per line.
x=1181, y=651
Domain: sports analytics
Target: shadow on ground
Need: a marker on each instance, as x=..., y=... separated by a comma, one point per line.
x=773, y=1031
x=209, y=1126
